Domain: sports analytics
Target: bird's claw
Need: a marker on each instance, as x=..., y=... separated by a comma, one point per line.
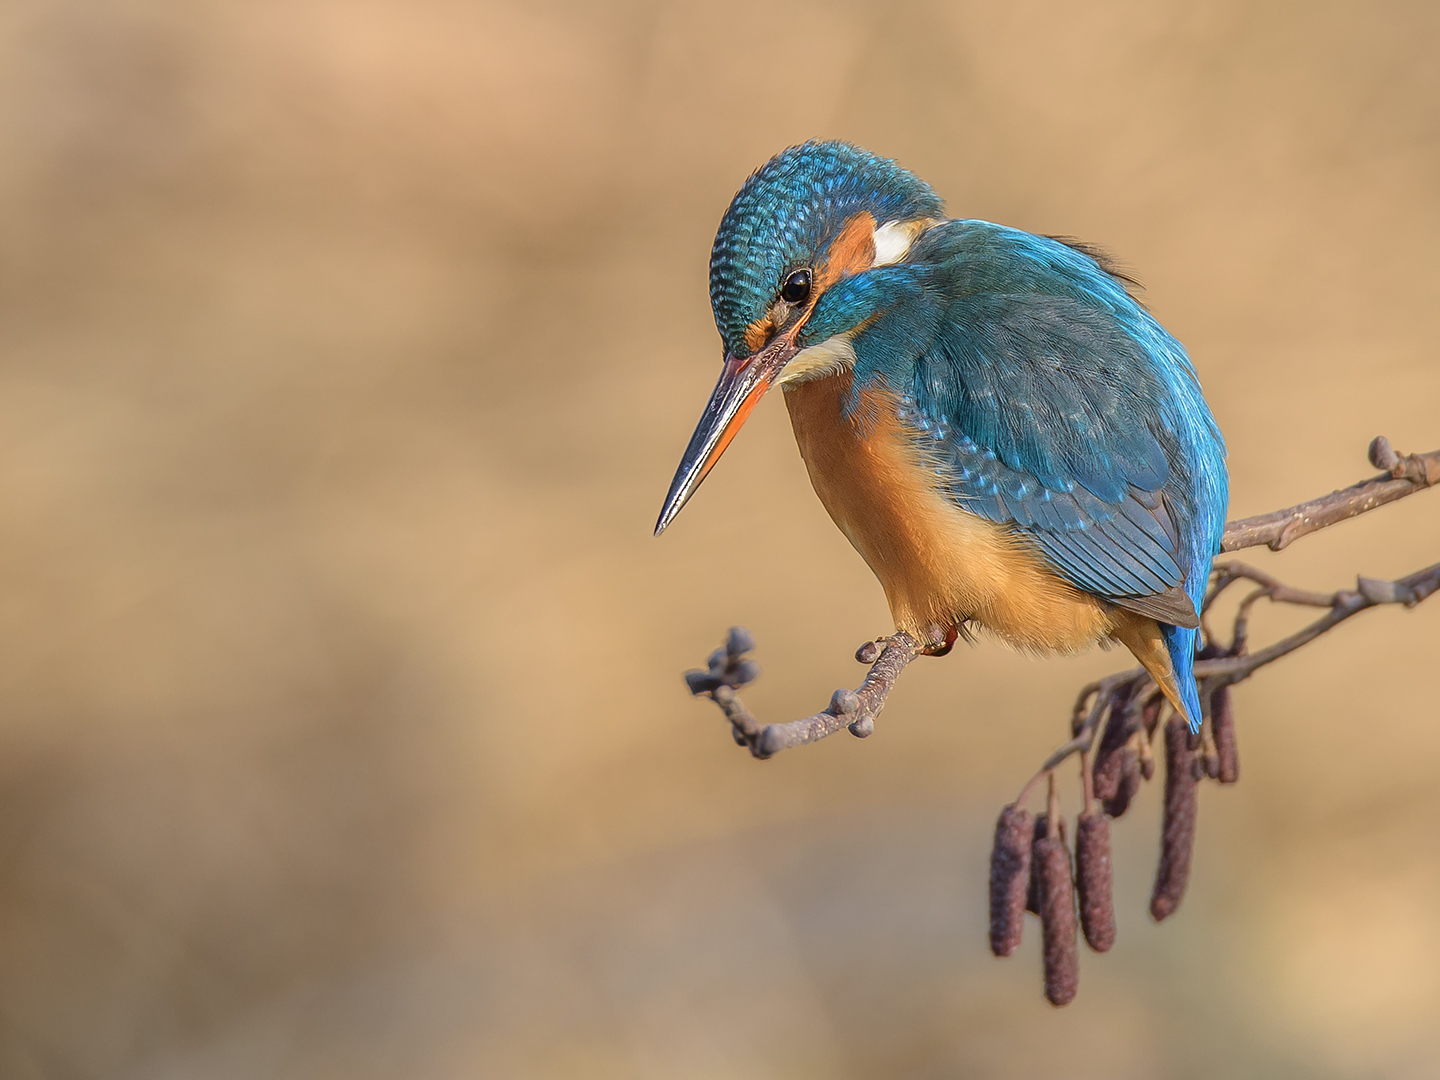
x=942, y=642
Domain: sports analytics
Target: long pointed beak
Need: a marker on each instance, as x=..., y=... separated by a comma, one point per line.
x=742, y=384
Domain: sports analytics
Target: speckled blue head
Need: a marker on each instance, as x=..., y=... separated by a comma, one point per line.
x=786, y=216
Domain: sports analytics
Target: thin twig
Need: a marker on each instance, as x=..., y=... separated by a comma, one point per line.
x=1084, y=738
x=1368, y=593
x=1404, y=475
x=855, y=709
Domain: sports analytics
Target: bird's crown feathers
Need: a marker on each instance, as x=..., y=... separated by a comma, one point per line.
x=786, y=215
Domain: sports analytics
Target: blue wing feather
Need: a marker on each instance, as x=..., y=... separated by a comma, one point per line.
x=1050, y=400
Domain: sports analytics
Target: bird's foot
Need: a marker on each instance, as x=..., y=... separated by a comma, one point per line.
x=940, y=641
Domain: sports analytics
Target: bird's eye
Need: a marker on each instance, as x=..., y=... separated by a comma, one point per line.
x=796, y=289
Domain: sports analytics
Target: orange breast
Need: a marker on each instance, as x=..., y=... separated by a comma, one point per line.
x=939, y=565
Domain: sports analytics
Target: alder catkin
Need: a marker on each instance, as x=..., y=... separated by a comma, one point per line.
x=1057, y=921
x=1212, y=760
x=1032, y=888
x=1128, y=785
x=1177, y=837
x=1119, y=726
x=1105, y=773
x=1147, y=761
x=1094, y=880
x=1222, y=723
x=1010, y=877
x=1150, y=716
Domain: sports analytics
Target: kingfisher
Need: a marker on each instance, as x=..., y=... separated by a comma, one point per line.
x=1009, y=439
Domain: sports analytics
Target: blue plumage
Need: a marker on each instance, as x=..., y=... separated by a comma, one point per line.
x=1044, y=397
x=1057, y=404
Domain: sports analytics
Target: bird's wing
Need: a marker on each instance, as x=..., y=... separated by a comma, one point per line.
x=1041, y=406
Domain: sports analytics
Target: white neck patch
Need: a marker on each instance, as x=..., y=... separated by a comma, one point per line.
x=893, y=240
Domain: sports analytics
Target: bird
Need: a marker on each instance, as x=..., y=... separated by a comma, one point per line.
x=1005, y=434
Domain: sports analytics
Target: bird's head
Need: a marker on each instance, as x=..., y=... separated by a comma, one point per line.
x=811, y=218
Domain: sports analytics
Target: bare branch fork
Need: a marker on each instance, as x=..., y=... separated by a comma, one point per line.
x=1030, y=865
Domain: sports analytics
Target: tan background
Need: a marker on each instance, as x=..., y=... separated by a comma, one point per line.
x=348, y=348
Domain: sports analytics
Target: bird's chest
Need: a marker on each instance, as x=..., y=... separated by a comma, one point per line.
x=938, y=564
x=862, y=470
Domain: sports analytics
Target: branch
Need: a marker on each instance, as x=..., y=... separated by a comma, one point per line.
x=853, y=709
x=856, y=710
x=1030, y=865
x=1126, y=709
x=1404, y=475
x=1224, y=666
x=1237, y=665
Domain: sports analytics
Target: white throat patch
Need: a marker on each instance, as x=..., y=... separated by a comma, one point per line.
x=830, y=357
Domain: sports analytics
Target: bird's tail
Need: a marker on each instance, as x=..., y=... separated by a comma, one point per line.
x=1168, y=653
x=1180, y=644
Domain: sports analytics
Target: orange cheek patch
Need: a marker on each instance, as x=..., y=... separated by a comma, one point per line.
x=853, y=251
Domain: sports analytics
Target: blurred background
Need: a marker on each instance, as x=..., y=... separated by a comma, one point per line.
x=347, y=350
